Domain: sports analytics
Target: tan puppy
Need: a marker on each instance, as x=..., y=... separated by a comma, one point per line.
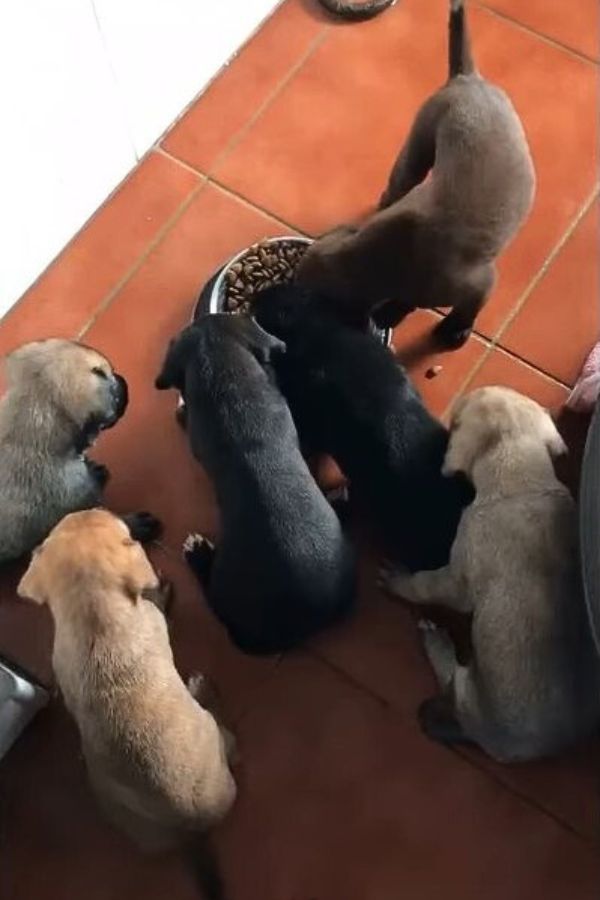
x=156, y=759
x=533, y=684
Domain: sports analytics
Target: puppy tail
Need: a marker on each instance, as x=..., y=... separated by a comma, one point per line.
x=201, y=861
x=459, y=51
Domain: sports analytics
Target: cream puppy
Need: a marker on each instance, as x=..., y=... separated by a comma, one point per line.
x=532, y=686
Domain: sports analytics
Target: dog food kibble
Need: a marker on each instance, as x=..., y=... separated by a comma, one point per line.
x=263, y=266
x=433, y=372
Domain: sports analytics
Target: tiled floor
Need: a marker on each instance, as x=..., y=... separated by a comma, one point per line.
x=341, y=797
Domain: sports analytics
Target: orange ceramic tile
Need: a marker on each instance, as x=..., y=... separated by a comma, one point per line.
x=576, y=26
x=345, y=800
x=378, y=647
x=321, y=152
x=55, y=842
x=67, y=294
x=560, y=321
x=500, y=368
x=315, y=170
x=237, y=94
x=147, y=451
x=200, y=643
x=567, y=787
x=25, y=628
x=416, y=350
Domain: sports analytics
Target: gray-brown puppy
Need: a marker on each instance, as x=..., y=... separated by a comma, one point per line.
x=60, y=395
x=533, y=684
x=433, y=243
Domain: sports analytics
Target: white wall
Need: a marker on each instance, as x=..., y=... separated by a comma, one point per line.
x=86, y=87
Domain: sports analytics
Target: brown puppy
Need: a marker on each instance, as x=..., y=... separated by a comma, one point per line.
x=156, y=759
x=433, y=243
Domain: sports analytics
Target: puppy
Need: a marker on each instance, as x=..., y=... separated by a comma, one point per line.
x=433, y=242
x=282, y=569
x=60, y=395
x=156, y=759
x=533, y=684
x=350, y=398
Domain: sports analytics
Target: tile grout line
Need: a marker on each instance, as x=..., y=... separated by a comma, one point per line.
x=107, y=300
x=522, y=299
x=548, y=262
x=393, y=710
x=547, y=39
x=236, y=139
x=261, y=209
x=214, y=182
x=223, y=68
x=589, y=842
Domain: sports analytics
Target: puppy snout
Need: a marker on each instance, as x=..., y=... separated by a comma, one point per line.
x=120, y=395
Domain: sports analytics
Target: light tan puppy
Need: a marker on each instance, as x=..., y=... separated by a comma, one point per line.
x=533, y=684
x=156, y=759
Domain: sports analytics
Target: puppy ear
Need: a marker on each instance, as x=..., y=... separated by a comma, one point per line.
x=170, y=374
x=31, y=586
x=460, y=453
x=261, y=343
x=554, y=442
x=140, y=576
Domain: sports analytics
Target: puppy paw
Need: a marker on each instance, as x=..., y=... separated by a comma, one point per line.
x=143, y=526
x=198, y=686
x=181, y=413
x=393, y=579
x=99, y=472
x=204, y=691
x=339, y=500
x=161, y=595
x=449, y=336
x=438, y=722
x=231, y=746
x=199, y=553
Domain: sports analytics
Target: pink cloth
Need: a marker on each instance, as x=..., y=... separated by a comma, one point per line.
x=587, y=388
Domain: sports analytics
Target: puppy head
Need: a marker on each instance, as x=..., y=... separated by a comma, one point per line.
x=87, y=553
x=283, y=309
x=208, y=336
x=492, y=414
x=76, y=380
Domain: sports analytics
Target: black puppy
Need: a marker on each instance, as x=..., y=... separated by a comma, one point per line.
x=282, y=569
x=350, y=398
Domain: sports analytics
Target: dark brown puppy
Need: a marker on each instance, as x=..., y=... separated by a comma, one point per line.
x=433, y=243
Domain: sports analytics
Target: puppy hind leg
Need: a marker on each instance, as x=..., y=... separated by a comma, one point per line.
x=417, y=155
x=440, y=652
x=199, y=553
x=206, y=694
x=432, y=586
x=455, y=329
